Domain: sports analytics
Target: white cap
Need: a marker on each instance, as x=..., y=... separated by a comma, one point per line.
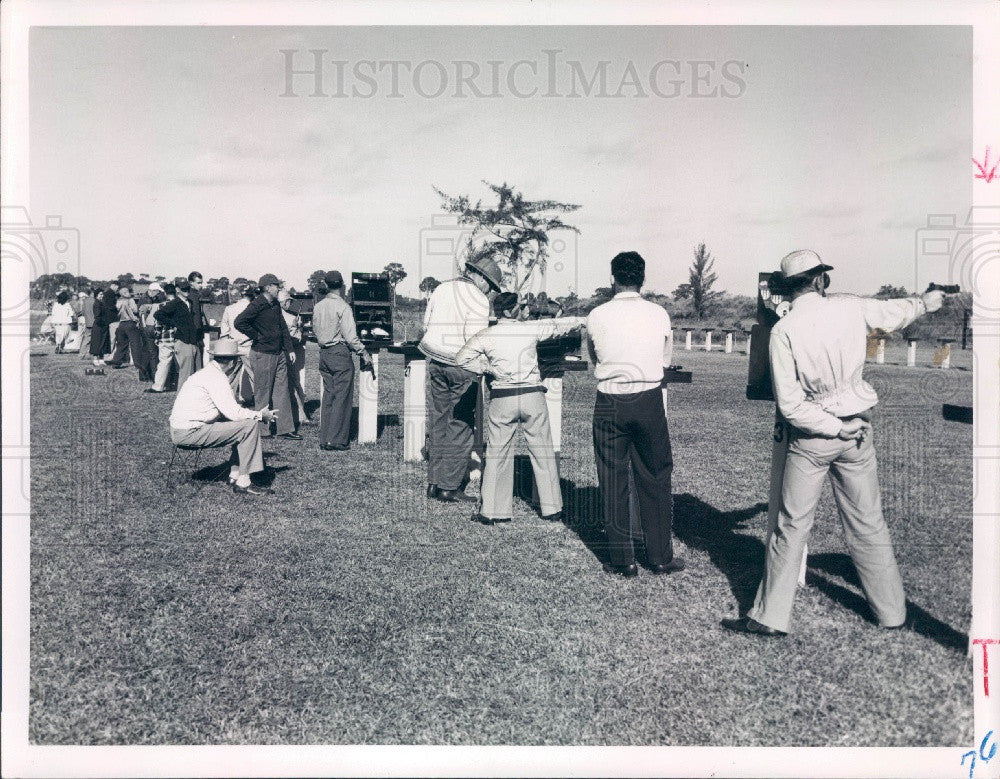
x=801, y=262
x=155, y=287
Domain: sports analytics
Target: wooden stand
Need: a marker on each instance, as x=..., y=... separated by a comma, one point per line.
x=687, y=339
x=749, y=334
x=880, y=352
x=708, y=339
x=943, y=356
x=911, y=352
x=368, y=403
x=729, y=340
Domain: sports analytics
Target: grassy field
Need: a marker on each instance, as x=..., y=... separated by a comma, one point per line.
x=349, y=609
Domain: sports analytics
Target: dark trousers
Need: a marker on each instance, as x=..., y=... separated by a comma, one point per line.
x=336, y=367
x=129, y=339
x=632, y=429
x=152, y=351
x=270, y=389
x=452, y=417
x=99, y=341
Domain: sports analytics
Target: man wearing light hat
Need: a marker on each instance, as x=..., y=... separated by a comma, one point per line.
x=817, y=354
x=206, y=415
x=456, y=311
x=272, y=351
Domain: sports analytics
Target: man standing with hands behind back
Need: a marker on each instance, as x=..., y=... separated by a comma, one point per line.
x=630, y=344
x=263, y=322
x=337, y=335
x=817, y=355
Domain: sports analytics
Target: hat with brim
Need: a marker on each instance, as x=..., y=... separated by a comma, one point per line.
x=224, y=347
x=488, y=269
x=801, y=264
x=269, y=278
x=154, y=287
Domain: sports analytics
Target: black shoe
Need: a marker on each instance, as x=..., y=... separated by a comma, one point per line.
x=454, y=496
x=291, y=436
x=629, y=571
x=154, y=391
x=265, y=436
x=332, y=448
x=477, y=517
x=748, y=625
x=252, y=489
x=432, y=490
x=675, y=565
x=556, y=517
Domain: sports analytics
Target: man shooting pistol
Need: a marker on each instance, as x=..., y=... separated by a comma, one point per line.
x=817, y=354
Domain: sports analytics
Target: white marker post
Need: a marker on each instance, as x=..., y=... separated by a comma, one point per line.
x=414, y=406
x=945, y=352
x=880, y=352
x=911, y=352
x=368, y=404
x=749, y=335
x=729, y=341
x=687, y=338
x=708, y=339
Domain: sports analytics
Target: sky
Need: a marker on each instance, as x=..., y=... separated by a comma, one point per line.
x=179, y=148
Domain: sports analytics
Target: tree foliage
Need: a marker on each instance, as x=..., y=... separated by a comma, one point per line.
x=701, y=279
x=508, y=231
x=396, y=273
x=428, y=285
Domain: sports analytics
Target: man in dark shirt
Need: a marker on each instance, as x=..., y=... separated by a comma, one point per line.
x=200, y=320
x=264, y=324
x=178, y=322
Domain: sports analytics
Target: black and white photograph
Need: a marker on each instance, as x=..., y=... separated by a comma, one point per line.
x=501, y=389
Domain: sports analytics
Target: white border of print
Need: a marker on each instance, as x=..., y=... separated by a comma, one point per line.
x=22, y=759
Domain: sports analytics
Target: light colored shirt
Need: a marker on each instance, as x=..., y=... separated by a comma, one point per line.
x=62, y=314
x=207, y=397
x=629, y=340
x=333, y=323
x=508, y=350
x=456, y=311
x=294, y=325
x=818, y=353
x=226, y=329
x=128, y=310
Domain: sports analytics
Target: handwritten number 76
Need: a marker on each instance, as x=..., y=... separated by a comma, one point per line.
x=983, y=755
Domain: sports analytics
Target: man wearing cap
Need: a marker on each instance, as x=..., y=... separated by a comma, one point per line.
x=337, y=335
x=509, y=351
x=456, y=311
x=206, y=415
x=201, y=321
x=817, y=354
x=128, y=338
x=270, y=355
x=630, y=344
x=180, y=333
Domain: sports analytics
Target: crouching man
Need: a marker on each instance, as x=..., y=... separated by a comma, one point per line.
x=508, y=351
x=206, y=415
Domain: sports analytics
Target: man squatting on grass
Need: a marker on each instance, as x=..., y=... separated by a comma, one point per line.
x=456, y=311
x=508, y=350
x=817, y=356
x=630, y=345
x=206, y=415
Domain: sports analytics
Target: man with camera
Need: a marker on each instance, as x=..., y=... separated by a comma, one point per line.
x=817, y=354
x=456, y=311
x=206, y=415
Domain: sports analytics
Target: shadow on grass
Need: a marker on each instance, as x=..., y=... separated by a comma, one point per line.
x=918, y=619
x=384, y=421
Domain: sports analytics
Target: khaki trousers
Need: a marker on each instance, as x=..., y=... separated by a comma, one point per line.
x=243, y=435
x=504, y=415
x=854, y=478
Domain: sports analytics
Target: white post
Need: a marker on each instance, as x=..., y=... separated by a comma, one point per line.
x=207, y=341
x=687, y=340
x=414, y=408
x=368, y=404
x=911, y=353
x=729, y=343
x=748, y=343
x=708, y=340
x=880, y=352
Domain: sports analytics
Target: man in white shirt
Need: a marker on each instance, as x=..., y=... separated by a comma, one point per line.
x=817, y=355
x=242, y=381
x=508, y=351
x=206, y=415
x=630, y=343
x=456, y=311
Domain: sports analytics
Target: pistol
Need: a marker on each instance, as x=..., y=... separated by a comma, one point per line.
x=948, y=289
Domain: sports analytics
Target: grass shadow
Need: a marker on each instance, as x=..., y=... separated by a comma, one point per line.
x=383, y=421
x=740, y=557
x=918, y=619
